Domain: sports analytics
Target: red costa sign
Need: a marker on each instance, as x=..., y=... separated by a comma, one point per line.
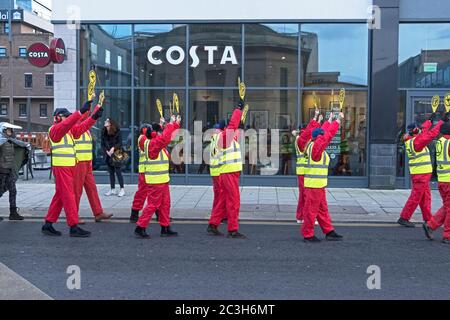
x=57, y=51
x=39, y=55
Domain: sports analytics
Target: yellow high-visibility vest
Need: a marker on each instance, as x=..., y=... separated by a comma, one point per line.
x=142, y=158
x=443, y=160
x=301, y=159
x=316, y=172
x=214, y=157
x=83, y=147
x=419, y=162
x=157, y=170
x=63, y=152
x=231, y=158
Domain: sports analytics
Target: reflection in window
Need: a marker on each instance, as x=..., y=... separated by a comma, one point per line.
x=117, y=107
x=424, y=55
x=100, y=47
x=334, y=55
x=271, y=55
x=164, y=74
x=147, y=112
x=401, y=125
x=347, y=150
x=218, y=62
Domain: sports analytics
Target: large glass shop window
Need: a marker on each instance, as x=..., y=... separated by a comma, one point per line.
x=271, y=55
x=118, y=108
x=160, y=55
x=424, y=55
x=348, y=149
x=147, y=112
x=334, y=55
x=215, y=58
x=107, y=48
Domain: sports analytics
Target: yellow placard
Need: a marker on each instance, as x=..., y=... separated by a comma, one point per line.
x=447, y=102
x=315, y=100
x=92, y=83
x=159, y=107
x=176, y=103
x=242, y=89
x=101, y=99
x=435, y=101
x=342, y=98
x=244, y=113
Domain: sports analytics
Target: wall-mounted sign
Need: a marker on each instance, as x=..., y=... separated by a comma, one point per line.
x=39, y=55
x=57, y=51
x=430, y=67
x=175, y=55
x=16, y=15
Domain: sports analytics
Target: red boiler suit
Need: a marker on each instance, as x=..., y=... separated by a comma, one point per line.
x=84, y=176
x=229, y=182
x=141, y=194
x=302, y=142
x=64, y=191
x=158, y=195
x=421, y=192
x=442, y=217
x=218, y=212
x=316, y=206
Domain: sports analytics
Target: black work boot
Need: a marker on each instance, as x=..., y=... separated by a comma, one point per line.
x=312, y=239
x=134, y=216
x=446, y=240
x=213, y=230
x=14, y=214
x=77, y=232
x=428, y=231
x=406, y=223
x=1, y=219
x=236, y=235
x=333, y=236
x=48, y=230
x=141, y=233
x=167, y=232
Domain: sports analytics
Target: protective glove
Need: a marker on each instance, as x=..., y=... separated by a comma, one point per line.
x=241, y=104
x=97, y=115
x=433, y=117
x=86, y=107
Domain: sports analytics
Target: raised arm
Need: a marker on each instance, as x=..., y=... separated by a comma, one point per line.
x=425, y=138
x=59, y=130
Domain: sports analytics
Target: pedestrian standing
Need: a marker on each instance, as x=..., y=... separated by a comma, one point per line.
x=112, y=142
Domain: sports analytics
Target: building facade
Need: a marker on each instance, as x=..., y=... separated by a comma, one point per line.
x=31, y=88
x=390, y=56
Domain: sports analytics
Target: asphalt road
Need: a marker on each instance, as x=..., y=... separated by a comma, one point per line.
x=273, y=263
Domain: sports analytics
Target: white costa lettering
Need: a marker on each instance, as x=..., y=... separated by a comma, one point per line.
x=35, y=54
x=175, y=55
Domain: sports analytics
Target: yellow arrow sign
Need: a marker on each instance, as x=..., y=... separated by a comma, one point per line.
x=91, y=86
x=176, y=103
x=160, y=107
x=242, y=89
x=342, y=98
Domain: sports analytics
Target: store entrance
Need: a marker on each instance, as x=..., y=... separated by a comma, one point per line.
x=419, y=110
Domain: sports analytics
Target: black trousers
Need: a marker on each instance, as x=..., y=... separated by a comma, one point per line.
x=113, y=171
x=8, y=184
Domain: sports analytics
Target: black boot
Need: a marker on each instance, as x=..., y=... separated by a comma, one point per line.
x=428, y=231
x=446, y=240
x=313, y=239
x=14, y=214
x=214, y=231
x=406, y=223
x=141, y=233
x=48, y=230
x=77, y=232
x=236, y=235
x=333, y=236
x=167, y=232
x=1, y=219
x=134, y=216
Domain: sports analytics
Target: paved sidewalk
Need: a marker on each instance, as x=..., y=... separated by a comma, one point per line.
x=258, y=203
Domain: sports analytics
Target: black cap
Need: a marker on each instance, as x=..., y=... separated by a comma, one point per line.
x=62, y=112
x=157, y=127
x=222, y=124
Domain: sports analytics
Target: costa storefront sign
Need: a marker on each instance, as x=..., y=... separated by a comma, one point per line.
x=40, y=55
x=57, y=51
x=175, y=55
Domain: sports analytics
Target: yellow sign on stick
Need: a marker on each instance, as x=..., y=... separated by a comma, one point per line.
x=435, y=101
x=159, y=107
x=92, y=83
x=176, y=103
x=342, y=98
x=242, y=89
x=244, y=113
x=101, y=99
x=447, y=102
